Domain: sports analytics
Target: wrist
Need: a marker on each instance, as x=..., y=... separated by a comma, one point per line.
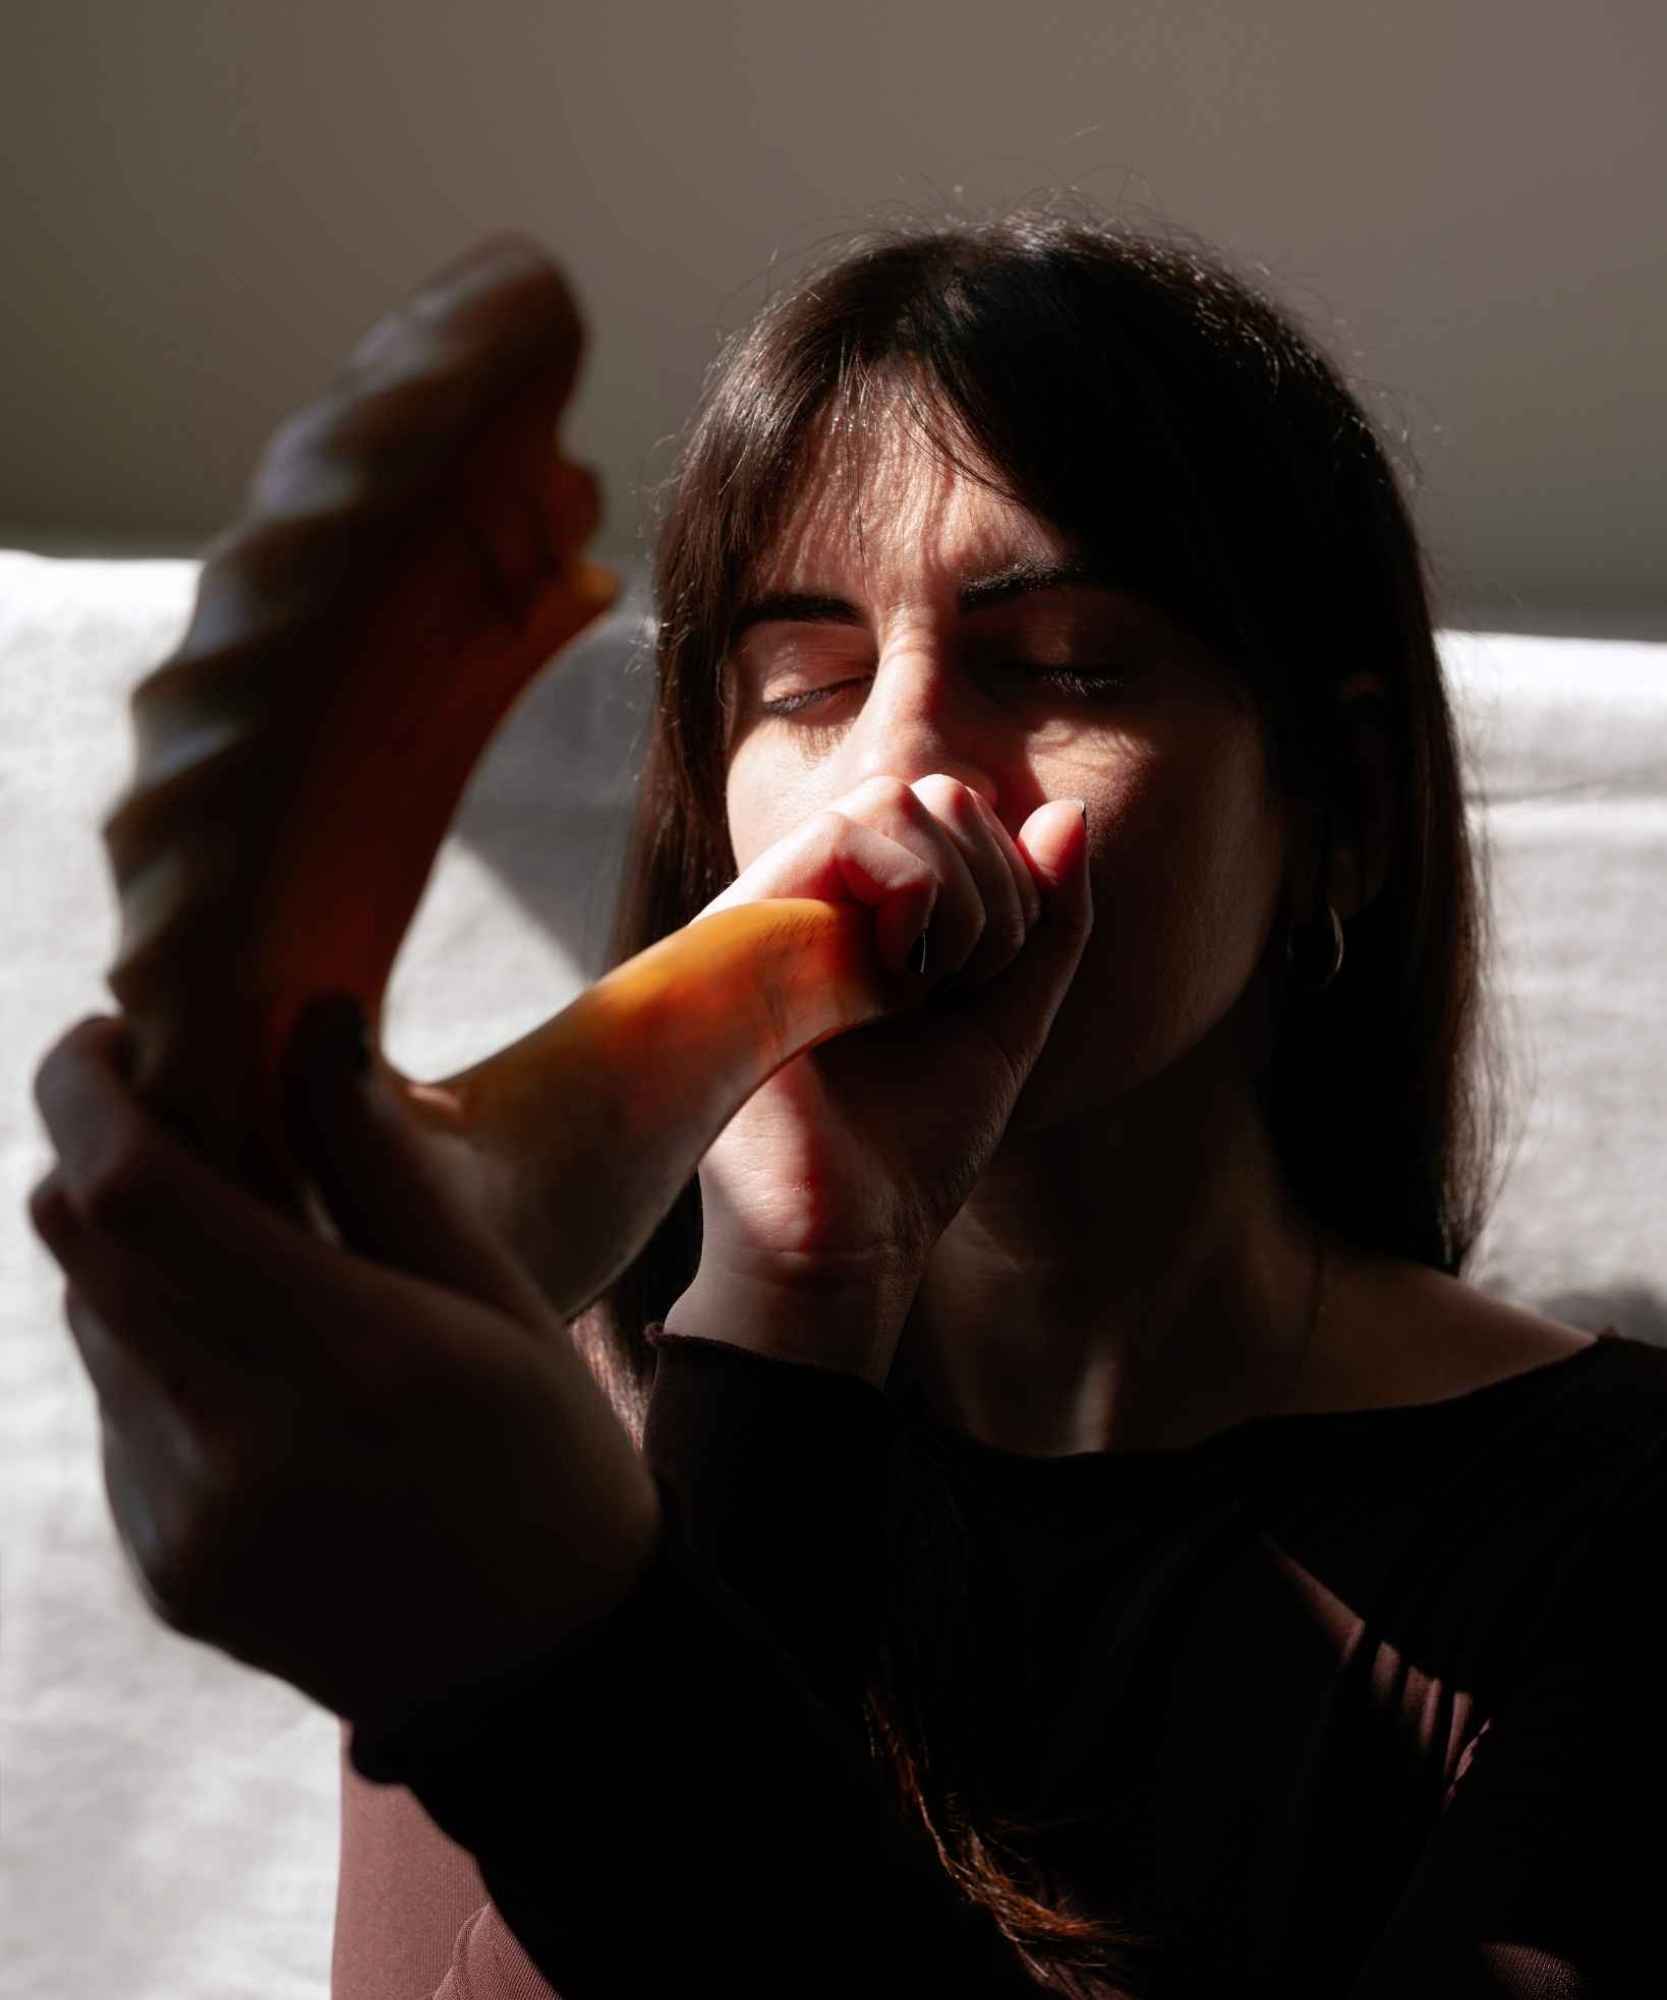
x=852, y=1324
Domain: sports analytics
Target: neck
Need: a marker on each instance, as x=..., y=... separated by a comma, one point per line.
x=1132, y=1279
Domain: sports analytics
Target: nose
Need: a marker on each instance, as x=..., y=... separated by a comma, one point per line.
x=916, y=721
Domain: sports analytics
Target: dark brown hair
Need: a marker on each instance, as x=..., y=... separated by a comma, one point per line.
x=1157, y=409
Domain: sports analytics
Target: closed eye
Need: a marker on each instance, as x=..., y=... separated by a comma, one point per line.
x=1080, y=686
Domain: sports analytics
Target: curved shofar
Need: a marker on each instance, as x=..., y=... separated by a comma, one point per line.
x=409, y=560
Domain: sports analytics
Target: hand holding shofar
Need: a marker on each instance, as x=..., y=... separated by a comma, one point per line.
x=328, y=1316
x=409, y=560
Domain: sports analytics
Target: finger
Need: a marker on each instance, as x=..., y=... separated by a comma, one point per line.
x=951, y=851
x=999, y=872
x=177, y=1448
x=1017, y=1008
x=1055, y=840
x=839, y=860
x=131, y=1329
x=978, y=924
x=207, y=1265
x=133, y=1182
x=1024, y=879
x=82, y=1092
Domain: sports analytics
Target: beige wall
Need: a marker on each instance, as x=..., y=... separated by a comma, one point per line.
x=204, y=204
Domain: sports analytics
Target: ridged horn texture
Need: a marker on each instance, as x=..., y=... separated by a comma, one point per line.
x=408, y=561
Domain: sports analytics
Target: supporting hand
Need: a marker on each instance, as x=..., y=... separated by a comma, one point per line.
x=377, y=1476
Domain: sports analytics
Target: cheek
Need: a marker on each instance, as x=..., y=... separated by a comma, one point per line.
x=763, y=805
x=1187, y=870
x=1198, y=825
x=746, y=805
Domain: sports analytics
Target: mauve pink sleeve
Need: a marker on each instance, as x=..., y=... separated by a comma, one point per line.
x=413, y=1919
x=489, y=1964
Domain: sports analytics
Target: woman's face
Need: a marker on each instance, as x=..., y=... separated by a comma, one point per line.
x=933, y=626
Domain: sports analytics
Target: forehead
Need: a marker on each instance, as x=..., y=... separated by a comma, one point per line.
x=886, y=513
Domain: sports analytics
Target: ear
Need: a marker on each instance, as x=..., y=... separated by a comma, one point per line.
x=1363, y=799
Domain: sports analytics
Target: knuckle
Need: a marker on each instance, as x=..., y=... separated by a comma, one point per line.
x=883, y=793
x=940, y=785
x=824, y=832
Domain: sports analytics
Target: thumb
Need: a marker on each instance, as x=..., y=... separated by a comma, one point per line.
x=1055, y=840
x=395, y=1193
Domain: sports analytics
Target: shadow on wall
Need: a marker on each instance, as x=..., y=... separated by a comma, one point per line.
x=1637, y=1310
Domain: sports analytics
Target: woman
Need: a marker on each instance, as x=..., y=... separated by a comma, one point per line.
x=1109, y=1549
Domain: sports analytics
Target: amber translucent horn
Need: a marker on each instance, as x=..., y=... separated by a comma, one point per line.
x=579, y=1137
x=409, y=560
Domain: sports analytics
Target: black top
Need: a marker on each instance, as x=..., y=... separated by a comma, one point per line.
x=1360, y=1704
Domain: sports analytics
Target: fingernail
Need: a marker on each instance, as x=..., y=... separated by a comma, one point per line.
x=920, y=952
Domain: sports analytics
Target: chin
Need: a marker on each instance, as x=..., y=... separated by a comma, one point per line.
x=1116, y=1070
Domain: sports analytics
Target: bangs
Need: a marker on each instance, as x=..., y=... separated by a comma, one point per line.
x=877, y=420
x=989, y=383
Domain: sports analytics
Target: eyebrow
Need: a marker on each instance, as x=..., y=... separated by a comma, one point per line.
x=979, y=593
